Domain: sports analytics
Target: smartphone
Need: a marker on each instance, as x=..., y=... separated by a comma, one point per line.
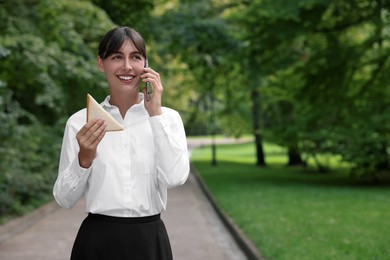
x=147, y=84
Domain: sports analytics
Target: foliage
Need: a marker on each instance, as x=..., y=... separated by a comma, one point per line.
x=28, y=158
x=195, y=33
x=53, y=50
x=134, y=13
x=324, y=82
x=47, y=63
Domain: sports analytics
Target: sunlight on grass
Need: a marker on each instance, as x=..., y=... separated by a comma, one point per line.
x=293, y=213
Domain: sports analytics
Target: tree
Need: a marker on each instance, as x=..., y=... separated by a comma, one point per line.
x=47, y=64
x=51, y=46
x=134, y=13
x=198, y=37
x=323, y=66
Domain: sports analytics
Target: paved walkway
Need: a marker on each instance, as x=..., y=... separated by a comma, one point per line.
x=194, y=229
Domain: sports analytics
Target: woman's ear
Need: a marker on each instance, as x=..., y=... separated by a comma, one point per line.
x=100, y=64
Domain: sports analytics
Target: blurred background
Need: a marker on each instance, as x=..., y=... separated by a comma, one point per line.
x=307, y=80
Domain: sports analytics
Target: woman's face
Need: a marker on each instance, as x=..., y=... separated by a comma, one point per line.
x=123, y=68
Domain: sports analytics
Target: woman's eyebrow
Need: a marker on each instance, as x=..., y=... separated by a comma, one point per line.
x=121, y=53
x=116, y=52
x=131, y=53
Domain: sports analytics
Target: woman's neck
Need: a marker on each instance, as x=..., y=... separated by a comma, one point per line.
x=124, y=101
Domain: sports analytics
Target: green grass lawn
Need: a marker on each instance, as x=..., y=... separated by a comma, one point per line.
x=293, y=213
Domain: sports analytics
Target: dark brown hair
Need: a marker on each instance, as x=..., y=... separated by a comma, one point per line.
x=112, y=41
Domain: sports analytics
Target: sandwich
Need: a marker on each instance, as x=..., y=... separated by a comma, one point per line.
x=95, y=110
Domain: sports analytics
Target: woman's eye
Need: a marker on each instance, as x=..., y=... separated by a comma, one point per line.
x=136, y=57
x=116, y=57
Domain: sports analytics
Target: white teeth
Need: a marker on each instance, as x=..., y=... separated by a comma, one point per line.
x=126, y=77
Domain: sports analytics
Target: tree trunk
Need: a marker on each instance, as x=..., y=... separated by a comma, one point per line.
x=256, y=128
x=294, y=157
x=382, y=164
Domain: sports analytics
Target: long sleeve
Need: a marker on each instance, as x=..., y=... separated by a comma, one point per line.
x=72, y=179
x=171, y=152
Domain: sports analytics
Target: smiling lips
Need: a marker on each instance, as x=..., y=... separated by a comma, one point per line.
x=125, y=78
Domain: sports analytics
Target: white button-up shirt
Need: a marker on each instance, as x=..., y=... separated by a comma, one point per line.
x=133, y=168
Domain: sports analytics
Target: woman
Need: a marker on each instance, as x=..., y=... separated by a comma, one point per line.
x=124, y=175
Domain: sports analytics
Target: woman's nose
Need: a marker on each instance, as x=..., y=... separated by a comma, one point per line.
x=127, y=64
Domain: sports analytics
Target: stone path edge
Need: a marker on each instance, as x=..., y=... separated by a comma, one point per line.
x=243, y=242
x=19, y=224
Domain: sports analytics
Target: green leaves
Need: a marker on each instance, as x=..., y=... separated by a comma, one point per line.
x=322, y=69
x=47, y=64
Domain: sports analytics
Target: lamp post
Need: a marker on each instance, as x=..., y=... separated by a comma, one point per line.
x=213, y=128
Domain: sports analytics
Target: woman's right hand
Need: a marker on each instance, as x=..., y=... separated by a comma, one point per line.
x=89, y=138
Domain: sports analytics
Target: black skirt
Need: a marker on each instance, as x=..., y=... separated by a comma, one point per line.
x=113, y=238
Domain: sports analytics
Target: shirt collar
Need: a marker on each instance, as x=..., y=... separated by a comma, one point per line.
x=106, y=102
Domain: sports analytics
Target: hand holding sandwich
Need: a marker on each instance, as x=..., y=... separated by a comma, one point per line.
x=88, y=138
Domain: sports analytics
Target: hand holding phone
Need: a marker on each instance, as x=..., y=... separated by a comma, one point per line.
x=153, y=86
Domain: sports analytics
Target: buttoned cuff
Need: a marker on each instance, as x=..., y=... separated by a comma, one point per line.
x=79, y=171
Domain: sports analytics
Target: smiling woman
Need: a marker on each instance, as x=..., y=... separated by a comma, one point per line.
x=124, y=174
x=122, y=57
x=123, y=69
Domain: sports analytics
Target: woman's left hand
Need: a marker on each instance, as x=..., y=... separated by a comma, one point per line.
x=153, y=106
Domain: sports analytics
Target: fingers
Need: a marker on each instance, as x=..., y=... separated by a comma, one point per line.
x=151, y=72
x=87, y=127
x=153, y=104
x=92, y=132
x=96, y=132
x=153, y=78
x=88, y=138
